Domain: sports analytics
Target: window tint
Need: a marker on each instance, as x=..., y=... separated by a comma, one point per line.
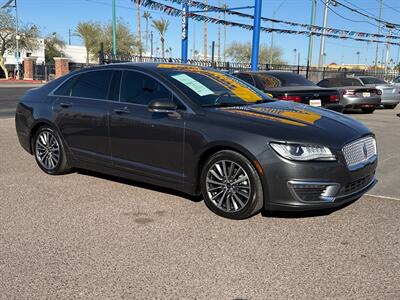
x=323, y=83
x=92, y=85
x=141, y=89
x=292, y=79
x=350, y=82
x=246, y=77
x=264, y=81
x=114, y=87
x=372, y=80
x=66, y=88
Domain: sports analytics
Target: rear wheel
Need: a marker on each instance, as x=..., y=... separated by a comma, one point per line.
x=231, y=186
x=391, y=106
x=50, y=152
x=368, y=110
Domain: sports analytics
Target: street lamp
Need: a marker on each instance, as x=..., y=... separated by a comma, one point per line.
x=358, y=57
x=295, y=56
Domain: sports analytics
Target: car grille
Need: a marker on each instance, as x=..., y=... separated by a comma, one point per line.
x=359, y=151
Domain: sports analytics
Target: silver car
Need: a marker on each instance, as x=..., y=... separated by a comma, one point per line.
x=353, y=94
x=390, y=92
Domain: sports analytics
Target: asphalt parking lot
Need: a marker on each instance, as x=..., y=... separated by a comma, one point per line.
x=84, y=235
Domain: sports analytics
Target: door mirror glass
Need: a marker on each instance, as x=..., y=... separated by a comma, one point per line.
x=162, y=105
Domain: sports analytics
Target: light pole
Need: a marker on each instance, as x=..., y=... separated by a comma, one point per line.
x=311, y=36
x=295, y=56
x=114, y=30
x=322, y=46
x=256, y=35
x=358, y=57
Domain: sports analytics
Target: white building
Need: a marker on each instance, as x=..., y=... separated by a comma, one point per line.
x=77, y=54
x=10, y=58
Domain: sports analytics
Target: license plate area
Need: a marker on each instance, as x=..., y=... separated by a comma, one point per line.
x=315, y=102
x=366, y=94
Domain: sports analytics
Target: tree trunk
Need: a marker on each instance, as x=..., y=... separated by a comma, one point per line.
x=162, y=47
x=139, y=31
x=205, y=34
x=3, y=67
x=87, y=56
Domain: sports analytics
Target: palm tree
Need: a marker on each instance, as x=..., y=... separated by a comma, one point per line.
x=89, y=33
x=147, y=16
x=161, y=26
x=139, y=31
x=205, y=32
x=224, y=7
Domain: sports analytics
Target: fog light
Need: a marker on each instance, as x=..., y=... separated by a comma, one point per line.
x=314, y=191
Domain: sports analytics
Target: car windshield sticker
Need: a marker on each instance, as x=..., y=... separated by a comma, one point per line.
x=193, y=84
x=228, y=82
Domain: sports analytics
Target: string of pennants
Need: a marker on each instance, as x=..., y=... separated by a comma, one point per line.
x=313, y=28
x=172, y=11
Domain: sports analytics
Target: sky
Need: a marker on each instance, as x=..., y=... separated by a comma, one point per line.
x=63, y=15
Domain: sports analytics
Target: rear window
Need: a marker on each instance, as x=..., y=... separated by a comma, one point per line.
x=292, y=79
x=349, y=82
x=87, y=85
x=372, y=80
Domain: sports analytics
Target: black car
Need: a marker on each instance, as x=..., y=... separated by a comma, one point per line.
x=292, y=87
x=199, y=131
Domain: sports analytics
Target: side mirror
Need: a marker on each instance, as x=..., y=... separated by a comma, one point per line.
x=163, y=105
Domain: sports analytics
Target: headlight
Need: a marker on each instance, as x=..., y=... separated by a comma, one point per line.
x=303, y=152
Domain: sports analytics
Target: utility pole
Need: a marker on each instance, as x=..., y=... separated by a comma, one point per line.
x=311, y=36
x=114, y=30
x=69, y=37
x=379, y=31
x=387, y=46
x=322, y=46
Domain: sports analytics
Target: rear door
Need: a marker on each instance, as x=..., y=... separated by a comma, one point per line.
x=81, y=114
x=142, y=142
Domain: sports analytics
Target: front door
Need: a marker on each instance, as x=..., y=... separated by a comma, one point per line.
x=148, y=144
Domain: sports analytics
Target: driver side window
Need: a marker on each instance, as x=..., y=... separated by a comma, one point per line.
x=141, y=89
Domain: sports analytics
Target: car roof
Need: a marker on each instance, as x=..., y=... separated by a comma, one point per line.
x=267, y=72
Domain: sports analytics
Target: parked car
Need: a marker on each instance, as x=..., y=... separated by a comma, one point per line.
x=353, y=94
x=199, y=131
x=390, y=92
x=292, y=87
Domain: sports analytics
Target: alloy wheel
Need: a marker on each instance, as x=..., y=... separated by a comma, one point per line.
x=47, y=150
x=228, y=186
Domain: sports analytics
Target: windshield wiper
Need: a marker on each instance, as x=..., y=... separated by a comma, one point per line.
x=225, y=104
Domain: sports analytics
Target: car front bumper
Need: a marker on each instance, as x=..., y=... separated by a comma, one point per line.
x=301, y=186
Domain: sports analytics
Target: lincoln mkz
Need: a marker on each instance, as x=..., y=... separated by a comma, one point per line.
x=199, y=131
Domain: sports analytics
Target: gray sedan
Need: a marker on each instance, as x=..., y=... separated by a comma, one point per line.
x=353, y=94
x=390, y=92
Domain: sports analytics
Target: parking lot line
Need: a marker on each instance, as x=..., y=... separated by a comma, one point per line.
x=383, y=197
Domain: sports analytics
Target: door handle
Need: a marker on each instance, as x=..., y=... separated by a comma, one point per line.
x=121, y=111
x=65, y=104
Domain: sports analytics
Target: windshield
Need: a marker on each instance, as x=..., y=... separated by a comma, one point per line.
x=208, y=87
x=291, y=79
x=372, y=80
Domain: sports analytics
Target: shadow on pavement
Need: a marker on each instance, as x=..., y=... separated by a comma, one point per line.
x=140, y=185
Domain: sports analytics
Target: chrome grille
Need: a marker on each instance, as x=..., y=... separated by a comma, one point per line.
x=359, y=151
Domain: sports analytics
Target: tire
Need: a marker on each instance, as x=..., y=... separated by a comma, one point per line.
x=227, y=199
x=391, y=106
x=368, y=110
x=55, y=161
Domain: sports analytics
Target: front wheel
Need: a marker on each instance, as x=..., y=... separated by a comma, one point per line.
x=368, y=110
x=231, y=185
x=50, y=152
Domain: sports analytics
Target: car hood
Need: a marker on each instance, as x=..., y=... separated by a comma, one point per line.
x=293, y=122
